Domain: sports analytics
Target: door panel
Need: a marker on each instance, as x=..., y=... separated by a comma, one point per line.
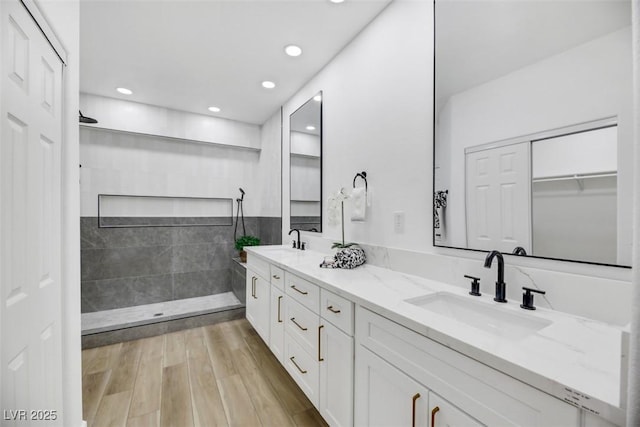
x=498, y=212
x=30, y=221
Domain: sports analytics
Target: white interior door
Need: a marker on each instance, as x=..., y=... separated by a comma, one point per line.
x=498, y=193
x=30, y=221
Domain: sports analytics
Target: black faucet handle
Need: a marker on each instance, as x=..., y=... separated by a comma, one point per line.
x=475, y=285
x=527, y=298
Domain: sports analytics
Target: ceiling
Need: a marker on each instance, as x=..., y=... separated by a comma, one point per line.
x=189, y=55
x=479, y=41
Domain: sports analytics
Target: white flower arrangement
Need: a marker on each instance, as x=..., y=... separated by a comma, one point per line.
x=335, y=212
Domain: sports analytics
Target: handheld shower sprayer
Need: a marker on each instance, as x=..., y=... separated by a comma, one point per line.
x=239, y=215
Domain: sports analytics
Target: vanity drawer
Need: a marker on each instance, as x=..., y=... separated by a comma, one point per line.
x=303, y=368
x=258, y=265
x=471, y=386
x=303, y=291
x=302, y=325
x=337, y=310
x=277, y=277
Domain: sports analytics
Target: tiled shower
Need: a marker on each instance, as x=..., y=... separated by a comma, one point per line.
x=143, y=272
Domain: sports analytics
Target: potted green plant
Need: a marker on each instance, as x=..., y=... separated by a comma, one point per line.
x=243, y=241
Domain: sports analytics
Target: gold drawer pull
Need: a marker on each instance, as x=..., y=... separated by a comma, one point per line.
x=413, y=409
x=333, y=310
x=275, y=276
x=320, y=359
x=298, y=290
x=302, y=371
x=279, y=299
x=293, y=319
x=434, y=411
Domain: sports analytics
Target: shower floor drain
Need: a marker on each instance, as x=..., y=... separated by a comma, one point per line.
x=158, y=314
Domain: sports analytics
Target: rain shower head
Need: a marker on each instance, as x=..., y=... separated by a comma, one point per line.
x=85, y=119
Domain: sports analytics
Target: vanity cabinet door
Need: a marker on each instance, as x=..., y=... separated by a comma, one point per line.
x=257, y=307
x=385, y=396
x=336, y=375
x=444, y=414
x=276, y=323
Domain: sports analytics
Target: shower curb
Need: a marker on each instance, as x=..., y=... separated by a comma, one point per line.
x=159, y=328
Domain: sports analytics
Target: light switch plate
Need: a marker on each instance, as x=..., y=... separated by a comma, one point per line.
x=398, y=222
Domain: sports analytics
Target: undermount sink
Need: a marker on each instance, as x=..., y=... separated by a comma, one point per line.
x=489, y=318
x=280, y=250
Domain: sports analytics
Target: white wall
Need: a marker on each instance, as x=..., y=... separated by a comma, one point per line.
x=566, y=89
x=269, y=172
x=131, y=164
x=116, y=160
x=147, y=119
x=377, y=117
x=377, y=108
x=64, y=18
x=305, y=143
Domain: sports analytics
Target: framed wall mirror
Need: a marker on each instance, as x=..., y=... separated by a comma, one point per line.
x=305, y=142
x=533, y=128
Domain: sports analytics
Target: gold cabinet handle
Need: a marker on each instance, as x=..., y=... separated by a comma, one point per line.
x=293, y=319
x=434, y=411
x=320, y=359
x=275, y=276
x=333, y=310
x=279, y=299
x=298, y=290
x=253, y=287
x=413, y=409
x=302, y=371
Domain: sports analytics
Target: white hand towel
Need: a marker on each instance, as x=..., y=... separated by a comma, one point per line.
x=359, y=198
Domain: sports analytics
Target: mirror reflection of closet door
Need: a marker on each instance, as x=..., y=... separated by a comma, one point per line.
x=498, y=198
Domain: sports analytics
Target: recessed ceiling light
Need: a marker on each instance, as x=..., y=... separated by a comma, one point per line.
x=336, y=1
x=214, y=109
x=268, y=85
x=293, y=50
x=311, y=127
x=317, y=98
x=124, y=91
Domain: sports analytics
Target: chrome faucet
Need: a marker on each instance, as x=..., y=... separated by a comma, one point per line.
x=296, y=243
x=501, y=287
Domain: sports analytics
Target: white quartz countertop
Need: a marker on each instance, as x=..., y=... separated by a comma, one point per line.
x=575, y=359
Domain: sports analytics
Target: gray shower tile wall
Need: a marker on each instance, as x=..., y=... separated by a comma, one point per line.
x=123, y=267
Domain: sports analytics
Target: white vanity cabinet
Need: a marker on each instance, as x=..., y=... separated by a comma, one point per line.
x=258, y=291
x=276, y=324
x=257, y=308
x=319, y=348
x=276, y=313
x=467, y=392
x=337, y=358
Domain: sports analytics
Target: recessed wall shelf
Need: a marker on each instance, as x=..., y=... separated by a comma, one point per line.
x=128, y=211
x=305, y=156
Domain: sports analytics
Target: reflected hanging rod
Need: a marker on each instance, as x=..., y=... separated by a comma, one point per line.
x=575, y=176
x=362, y=175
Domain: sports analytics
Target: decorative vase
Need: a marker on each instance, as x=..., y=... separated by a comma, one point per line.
x=243, y=256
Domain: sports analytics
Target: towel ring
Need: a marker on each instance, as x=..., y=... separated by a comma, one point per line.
x=362, y=175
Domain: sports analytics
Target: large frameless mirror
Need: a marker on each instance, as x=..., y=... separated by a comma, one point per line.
x=305, y=137
x=533, y=128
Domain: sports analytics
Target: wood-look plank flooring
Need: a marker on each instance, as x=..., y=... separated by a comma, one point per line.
x=218, y=375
